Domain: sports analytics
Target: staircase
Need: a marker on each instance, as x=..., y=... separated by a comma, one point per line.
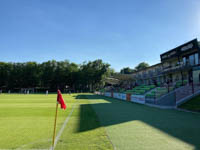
x=186, y=91
x=176, y=97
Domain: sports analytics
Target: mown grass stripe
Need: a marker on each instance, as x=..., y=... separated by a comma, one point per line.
x=62, y=128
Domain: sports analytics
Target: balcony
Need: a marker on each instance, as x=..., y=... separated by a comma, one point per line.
x=151, y=74
x=158, y=72
x=139, y=76
x=144, y=75
x=177, y=68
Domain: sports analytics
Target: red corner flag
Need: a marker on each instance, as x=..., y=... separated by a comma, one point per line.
x=60, y=100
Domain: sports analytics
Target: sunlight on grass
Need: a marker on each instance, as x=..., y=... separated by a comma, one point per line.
x=27, y=121
x=97, y=122
x=135, y=126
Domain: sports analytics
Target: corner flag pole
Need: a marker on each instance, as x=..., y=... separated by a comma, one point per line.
x=60, y=101
x=54, y=131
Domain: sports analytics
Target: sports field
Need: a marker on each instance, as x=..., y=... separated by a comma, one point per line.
x=94, y=123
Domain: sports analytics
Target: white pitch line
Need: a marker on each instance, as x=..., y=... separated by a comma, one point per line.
x=22, y=147
x=57, y=137
x=63, y=127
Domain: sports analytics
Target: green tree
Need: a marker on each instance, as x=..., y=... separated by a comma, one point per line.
x=93, y=73
x=53, y=74
x=141, y=66
x=5, y=69
x=127, y=70
x=30, y=74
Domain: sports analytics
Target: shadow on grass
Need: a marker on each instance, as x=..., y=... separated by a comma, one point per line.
x=88, y=118
x=184, y=126
x=192, y=105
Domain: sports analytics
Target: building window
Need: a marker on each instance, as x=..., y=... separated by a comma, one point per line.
x=184, y=60
x=166, y=64
x=196, y=58
x=191, y=59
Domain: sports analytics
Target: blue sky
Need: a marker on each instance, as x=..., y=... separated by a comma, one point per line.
x=120, y=32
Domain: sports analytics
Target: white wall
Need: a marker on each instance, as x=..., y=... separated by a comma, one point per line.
x=138, y=99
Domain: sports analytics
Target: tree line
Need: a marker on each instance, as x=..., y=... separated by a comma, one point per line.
x=51, y=75
x=139, y=67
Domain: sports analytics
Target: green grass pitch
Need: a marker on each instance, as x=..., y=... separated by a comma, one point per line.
x=97, y=123
x=192, y=105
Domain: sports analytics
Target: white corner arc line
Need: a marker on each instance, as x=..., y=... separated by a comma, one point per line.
x=62, y=128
